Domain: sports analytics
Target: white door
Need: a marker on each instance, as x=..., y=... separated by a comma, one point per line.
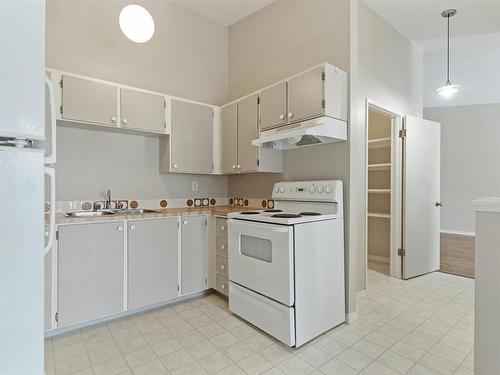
x=421, y=196
x=261, y=258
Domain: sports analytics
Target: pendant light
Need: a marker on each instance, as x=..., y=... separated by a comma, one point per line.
x=136, y=23
x=448, y=89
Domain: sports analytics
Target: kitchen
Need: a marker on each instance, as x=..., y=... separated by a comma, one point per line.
x=180, y=159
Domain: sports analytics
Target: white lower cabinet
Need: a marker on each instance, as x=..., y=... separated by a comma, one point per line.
x=91, y=260
x=193, y=254
x=152, y=261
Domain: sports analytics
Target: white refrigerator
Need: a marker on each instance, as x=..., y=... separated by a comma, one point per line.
x=23, y=163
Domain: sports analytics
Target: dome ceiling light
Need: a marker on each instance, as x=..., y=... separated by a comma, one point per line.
x=136, y=23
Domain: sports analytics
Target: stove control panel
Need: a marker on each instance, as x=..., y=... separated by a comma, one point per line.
x=330, y=190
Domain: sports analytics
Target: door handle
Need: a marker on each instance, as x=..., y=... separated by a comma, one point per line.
x=52, y=218
x=438, y=204
x=51, y=158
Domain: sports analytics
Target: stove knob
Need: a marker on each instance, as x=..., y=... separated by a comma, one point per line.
x=312, y=189
x=282, y=189
x=320, y=189
x=328, y=189
x=276, y=188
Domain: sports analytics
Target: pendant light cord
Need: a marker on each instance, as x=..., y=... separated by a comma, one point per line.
x=448, y=54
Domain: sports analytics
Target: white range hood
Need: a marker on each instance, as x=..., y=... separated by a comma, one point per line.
x=316, y=131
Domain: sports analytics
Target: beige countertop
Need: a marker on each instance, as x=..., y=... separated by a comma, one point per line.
x=164, y=212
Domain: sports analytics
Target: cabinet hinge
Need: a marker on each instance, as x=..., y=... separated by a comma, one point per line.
x=206, y=281
x=164, y=104
x=402, y=252
x=57, y=235
x=61, y=83
x=61, y=109
x=213, y=114
x=178, y=287
x=323, y=76
x=258, y=162
x=56, y=317
x=206, y=221
x=258, y=99
x=165, y=123
x=402, y=133
x=178, y=225
x=323, y=104
x=213, y=166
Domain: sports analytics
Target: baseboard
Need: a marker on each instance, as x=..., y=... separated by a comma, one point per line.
x=361, y=293
x=458, y=232
x=351, y=317
x=59, y=331
x=379, y=259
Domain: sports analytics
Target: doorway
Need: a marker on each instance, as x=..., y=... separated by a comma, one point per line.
x=382, y=190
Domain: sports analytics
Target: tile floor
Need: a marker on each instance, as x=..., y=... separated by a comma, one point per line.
x=379, y=267
x=423, y=326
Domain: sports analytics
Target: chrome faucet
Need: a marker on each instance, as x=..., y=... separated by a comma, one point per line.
x=108, y=200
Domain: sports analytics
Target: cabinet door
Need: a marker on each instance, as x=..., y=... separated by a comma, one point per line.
x=229, y=138
x=91, y=271
x=194, y=254
x=152, y=261
x=142, y=110
x=306, y=95
x=273, y=106
x=89, y=101
x=191, y=138
x=247, y=132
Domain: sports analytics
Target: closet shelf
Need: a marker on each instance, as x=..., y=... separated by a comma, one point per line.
x=379, y=191
x=373, y=214
x=379, y=167
x=379, y=142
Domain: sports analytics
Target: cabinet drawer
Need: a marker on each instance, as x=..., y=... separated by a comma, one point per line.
x=221, y=284
x=221, y=264
x=221, y=227
x=221, y=245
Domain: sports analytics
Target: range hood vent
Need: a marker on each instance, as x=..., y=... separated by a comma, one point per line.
x=316, y=131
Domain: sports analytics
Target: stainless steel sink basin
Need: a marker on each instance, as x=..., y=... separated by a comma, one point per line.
x=138, y=211
x=91, y=213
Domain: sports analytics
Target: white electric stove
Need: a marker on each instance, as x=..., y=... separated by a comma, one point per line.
x=286, y=265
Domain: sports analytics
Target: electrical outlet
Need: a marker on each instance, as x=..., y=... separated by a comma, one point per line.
x=194, y=185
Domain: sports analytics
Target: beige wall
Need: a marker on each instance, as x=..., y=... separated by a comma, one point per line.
x=387, y=68
x=186, y=57
x=470, y=157
x=278, y=41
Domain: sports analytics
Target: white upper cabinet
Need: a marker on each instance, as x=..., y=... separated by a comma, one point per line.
x=229, y=138
x=190, y=147
x=273, y=110
x=306, y=95
x=248, y=158
x=142, y=110
x=89, y=101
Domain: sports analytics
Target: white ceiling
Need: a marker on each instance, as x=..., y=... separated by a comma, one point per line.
x=475, y=54
x=224, y=12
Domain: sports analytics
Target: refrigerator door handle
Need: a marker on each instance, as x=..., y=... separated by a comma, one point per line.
x=51, y=158
x=52, y=218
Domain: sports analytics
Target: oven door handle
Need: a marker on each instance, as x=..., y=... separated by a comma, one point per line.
x=272, y=227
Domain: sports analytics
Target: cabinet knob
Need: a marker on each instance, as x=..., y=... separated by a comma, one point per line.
x=438, y=204
x=222, y=247
x=174, y=165
x=290, y=114
x=113, y=118
x=282, y=116
x=132, y=227
x=234, y=166
x=239, y=166
x=222, y=266
x=222, y=227
x=124, y=120
x=184, y=222
x=120, y=228
x=223, y=286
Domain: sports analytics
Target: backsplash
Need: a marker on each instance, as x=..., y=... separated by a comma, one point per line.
x=89, y=205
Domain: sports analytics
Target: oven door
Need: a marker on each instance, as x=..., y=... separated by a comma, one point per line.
x=261, y=258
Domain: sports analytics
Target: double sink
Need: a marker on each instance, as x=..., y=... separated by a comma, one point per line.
x=99, y=213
